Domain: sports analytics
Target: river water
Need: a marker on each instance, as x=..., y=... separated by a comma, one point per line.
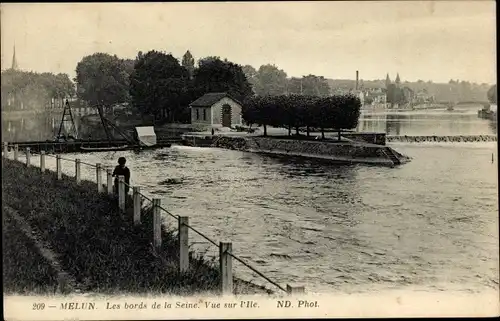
x=431, y=224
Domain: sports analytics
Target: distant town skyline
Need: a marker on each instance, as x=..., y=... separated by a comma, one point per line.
x=427, y=40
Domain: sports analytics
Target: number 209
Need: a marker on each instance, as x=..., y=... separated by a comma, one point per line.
x=38, y=306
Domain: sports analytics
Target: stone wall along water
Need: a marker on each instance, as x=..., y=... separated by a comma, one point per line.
x=335, y=151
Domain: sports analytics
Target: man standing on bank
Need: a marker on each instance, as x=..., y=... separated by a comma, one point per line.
x=122, y=170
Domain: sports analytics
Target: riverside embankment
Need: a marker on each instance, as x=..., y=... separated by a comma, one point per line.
x=346, y=152
x=101, y=249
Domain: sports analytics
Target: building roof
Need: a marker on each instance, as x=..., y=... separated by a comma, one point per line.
x=209, y=99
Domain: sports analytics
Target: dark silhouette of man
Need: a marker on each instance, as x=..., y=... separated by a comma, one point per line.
x=122, y=170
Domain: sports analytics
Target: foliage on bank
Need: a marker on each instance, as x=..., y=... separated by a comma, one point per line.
x=296, y=111
x=33, y=89
x=103, y=79
x=156, y=83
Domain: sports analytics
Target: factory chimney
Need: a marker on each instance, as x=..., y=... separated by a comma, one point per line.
x=357, y=79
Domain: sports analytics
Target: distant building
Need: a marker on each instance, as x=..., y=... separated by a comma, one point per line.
x=422, y=97
x=216, y=110
x=408, y=94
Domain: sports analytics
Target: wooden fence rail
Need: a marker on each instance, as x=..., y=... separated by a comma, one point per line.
x=225, y=248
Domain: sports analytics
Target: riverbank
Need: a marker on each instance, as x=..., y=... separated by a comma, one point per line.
x=331, y=150
x=104, y=252
x=25, y=270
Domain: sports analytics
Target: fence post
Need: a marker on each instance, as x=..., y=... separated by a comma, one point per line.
x=156, y=223
x=78, y=174
x=137, y=205
x=121, y=193
x=16, y=152
x=291, y=290
x=5, y=149
x=226, y=267
x=58, y=167
x=98, y=177
x=183, y=244
x=42, y=161
x=109, y=175
x=28, y=157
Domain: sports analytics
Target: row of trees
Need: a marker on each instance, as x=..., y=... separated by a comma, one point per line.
x=33, y=90
x=156, y=83
x=272, y=81
x=296, y=111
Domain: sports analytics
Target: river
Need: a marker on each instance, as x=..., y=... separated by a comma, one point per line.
x=430, y=225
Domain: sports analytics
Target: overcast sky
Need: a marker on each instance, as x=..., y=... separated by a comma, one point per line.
x=429, y=40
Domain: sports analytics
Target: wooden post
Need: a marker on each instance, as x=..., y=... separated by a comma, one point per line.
x=16, y=152
x=58, y=167
x=137, y=205
x=291, y=290
x=5, y=149
x=183, y=244
x=109, y=175
x=98, y=177
x=28, y=157
x=42, y=161
x=226, y=268
x=156, y=223
x=121, y=193
x=78, y=174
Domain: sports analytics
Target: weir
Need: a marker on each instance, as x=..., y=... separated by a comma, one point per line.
x=443, y=139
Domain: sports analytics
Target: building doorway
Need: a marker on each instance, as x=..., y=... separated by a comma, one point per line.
x=226, y=115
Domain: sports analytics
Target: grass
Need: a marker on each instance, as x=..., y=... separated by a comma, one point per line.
x=24, y=269
x=100, y=248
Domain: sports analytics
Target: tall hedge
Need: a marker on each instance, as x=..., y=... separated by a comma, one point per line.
x=294, y=111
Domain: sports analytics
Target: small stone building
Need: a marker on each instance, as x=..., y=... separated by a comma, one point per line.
x=216, y=110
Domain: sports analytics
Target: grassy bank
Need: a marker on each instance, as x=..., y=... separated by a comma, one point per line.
x=24, y=269
x=104, y=252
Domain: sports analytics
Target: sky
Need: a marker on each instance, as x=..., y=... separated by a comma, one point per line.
x=428, y=40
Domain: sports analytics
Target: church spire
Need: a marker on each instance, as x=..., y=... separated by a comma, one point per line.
x=398, y=80
x=14, y=60
x=387, y=81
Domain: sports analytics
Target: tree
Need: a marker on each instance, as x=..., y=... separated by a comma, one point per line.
x=270, y=80
x=295, y=86
x=492, y=94
x=188, y=63
x=309, y=85
x=216, y=75
x=251, y=75
x=103, y=80
x=159, y=86
x=347, y=110
x=62, y=86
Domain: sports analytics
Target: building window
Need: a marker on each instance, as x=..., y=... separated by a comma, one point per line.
x=204, y=114
x=197, y=114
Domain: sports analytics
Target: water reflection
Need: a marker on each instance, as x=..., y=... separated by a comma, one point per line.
x=445, y=123
x=17, y=127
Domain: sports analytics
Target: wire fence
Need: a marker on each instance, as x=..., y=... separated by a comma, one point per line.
x=153, y=203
